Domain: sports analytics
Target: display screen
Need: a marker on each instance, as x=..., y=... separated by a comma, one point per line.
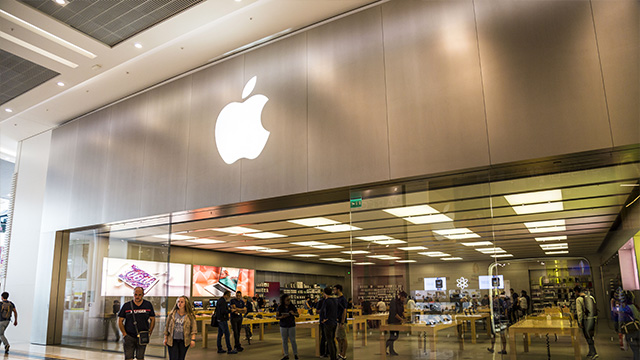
x=215, y=280
x=437, y=284
x=491, y=282
x=212, y=303
x=121, y=276
x=197, y=304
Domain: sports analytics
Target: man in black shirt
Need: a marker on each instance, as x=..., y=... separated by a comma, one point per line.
x=238, y=309
x=329, y=314
x=222, y=315
x=324, y=351
x=341, y=332
x=136, y=316
x=396, y=316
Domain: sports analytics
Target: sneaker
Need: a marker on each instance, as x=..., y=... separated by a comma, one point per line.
x=503, y=352
x=594, y=356
x=490, y=350
x=232, y=352
x=6, y=349
x=220, y=351
x=295, y=357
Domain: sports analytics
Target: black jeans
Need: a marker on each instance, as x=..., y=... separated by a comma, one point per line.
x=323, y=342
x=236, y=327
x=178, y=351
x=392, y=338
x=330, y=335
x=588, y=330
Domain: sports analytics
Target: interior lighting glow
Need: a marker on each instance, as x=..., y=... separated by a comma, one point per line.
x=315, y=221
x=236, y=230
x=405, y=261
x=273, y=251
x=537, y=208
x=536, y=202
x=38, y=50
x=412, y=248
x=502, y=255
x=546, y=226
x=252, y=248
x=434, y=254
x=554, y=246
x=478, y=243
x=205, y=241
x=173, y=237
x=306, y=255
x=428, y=219
x=451, y=258
x=374, y=238
x=457, y=234
x=60, y=83
x=556, y=252
x=390, y=242
x=308, y=243
x=551, y=238
x=265, y=235
x=364, y=263
x=338, y=228
x=491, y=250
x=379, y=256
x=327, y=246
x=138, y=45
x=411, y=211
x=8, y=110
x=355, y=252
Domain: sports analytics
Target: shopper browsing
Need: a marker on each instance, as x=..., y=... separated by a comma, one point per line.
x=222, y=317
x=500, y=322
x=6, y=310
x=180, y=330
x=341, y=332
x=396, y=313
x=329, y=314
x=586, y=314
x=136, y=321
x=381, y=306
x=287, y=314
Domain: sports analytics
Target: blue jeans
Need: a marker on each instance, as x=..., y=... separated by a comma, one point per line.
x=223, y=329
x=289, y=334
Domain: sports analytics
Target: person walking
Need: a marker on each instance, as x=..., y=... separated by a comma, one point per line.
x=500, y=322
x=287, y=314
x=396, y=313
x=6, y=310
x=586, y=314
x=628, y=317
x=135, y=319
x=238, y=310
x=222, y=316
x=329, y=314
x=341, y=332
x=181, y=329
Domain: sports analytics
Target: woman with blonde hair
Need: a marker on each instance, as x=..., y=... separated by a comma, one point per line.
x=181, y=325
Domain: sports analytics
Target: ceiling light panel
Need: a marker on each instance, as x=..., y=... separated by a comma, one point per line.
x=478, y=243
x=328, y=246
x=174, y=237
x=236, y=230
x=434, y=254
x=491, y=250
x=405, y=261
x=374, y=238
x=274, y=251
x=412, y=248
x=428, y=219
x=551, y=238
x=556, y=252
x=537, y=208
x=265, y=235
x=205, y=241
x=502, y=255
x=306, y=255
x=545, y=226
x=411, y=211
x=252, y=248
x=554, y=246
x=308, y=243
x=390, y=242
x=534, y=197
x=355, y=252
x=364, y=263
x=338, y=228
x=457, y=234
x=315, y=221
x=451, y=258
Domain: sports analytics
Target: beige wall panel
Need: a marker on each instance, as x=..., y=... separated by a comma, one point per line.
x=89, y=179
x=57, y=198
x=618, y=39
x=281, y=168
x=434, y=89
x=123, y=194
x=166, y=147
x=210, y=180
x=348, y=142
x=542, y=80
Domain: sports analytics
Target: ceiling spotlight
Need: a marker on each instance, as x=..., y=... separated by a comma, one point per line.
x=61, y=2
x=60, y=83
x=8, y=110
x=138, y=45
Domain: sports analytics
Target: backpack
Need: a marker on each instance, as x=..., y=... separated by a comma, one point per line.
x=5, y=311
x=589, y=306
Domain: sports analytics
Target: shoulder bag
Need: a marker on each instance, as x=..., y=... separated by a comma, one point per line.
x=143, y=336
x=214, y=318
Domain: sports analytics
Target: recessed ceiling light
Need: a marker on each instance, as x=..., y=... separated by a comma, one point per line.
x=536, y=202
x=556, y=252
x=551, y=238
x=378, y=256
x=336, y=260
x=355, y=252
x=138, y=45
x=364, y=263
x=545, y=226
x=328, y=246
x=173, y=237
x=306, y=255
x=266, y=235
x=478, y=243
x=8, y=110
x=501, y=255
x=236, y=230
x=315, y=221
x=338, y=228
x=491, y=250
x=537, y=208
x=252, y=248
x=412, y=248
x=273, y=251
x=434, y=254
x=308, y=243
x=61, y=2
x=374, y=238
x=554, y=246
x=411, y=211
x=390, y=242
x=451, y=258
x=205, y=241
x=405, y=261
x=457, y=234
x=428, y=219
x=60, y=83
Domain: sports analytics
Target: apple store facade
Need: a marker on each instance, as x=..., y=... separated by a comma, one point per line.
x=414, y=133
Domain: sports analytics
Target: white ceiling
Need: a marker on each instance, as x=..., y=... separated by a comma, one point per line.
x=192, y=38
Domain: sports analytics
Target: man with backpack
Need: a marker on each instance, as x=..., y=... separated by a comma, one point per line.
x=586, y=314
x=6, y=310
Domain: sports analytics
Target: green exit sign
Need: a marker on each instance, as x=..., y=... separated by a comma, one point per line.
x=356, y=203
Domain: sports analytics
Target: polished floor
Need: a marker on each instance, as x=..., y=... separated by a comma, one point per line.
x=407, y=346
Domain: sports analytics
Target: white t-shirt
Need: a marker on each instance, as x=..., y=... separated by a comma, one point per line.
x=411, y=304
x=382, y=307
x=522, y=302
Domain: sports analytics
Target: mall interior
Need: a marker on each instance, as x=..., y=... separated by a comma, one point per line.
x=464, y=152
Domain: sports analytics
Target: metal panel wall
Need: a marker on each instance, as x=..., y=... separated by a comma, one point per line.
x=434, y=89
x=542, y=80
x=348, y=142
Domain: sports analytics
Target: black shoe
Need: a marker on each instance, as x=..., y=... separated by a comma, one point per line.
x=220, y=351
x=6, y=349
x=295, y=357
x=117, y=338
x=503, y=352
x=490, y=350
x=594, y=356
x=285, y=358
x=239, y=348
x=232, y=352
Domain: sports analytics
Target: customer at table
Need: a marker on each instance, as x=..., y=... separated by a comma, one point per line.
x=287, y=314
x=485, y=301
x=329, y=313
x=500, y=322
x=396, y=313
x=381, y=306
x=411, y=304
x=586, y=316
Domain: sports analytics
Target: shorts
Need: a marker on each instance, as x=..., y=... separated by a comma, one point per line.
x=133, y=350
x=341, y=333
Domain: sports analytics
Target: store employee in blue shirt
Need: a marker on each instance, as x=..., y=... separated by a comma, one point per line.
x=238, y=309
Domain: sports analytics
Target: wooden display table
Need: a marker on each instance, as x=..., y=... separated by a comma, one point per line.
x=315, y=326
x=472, y=319
x=424, y=331
x=534, y=326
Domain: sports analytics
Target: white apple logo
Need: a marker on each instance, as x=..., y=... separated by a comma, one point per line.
x=239, y=132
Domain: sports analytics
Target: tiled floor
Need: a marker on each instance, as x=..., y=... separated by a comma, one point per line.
x=406, y=345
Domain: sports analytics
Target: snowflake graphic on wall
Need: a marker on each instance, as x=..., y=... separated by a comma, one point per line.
x=462, y=283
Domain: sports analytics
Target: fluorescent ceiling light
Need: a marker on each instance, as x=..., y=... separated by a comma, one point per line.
x=545, y=226
x=551, y=238
x=60, y=83
x=463, y=236
x=308, y=243
x=428, y=219
x=138, y=45
x=534, y=197
x=491, y=250
x=554, y=246
x=537, y=208
x=205, y=241
x=411, y=210
x=8, y=110
x=47, y=35
x=457, y=234
x=174, y=237
x=412, y=248
x=501, y=255
x=405, y=261
x=236, y=230
x=338, y=228
x=331, y=259
x=38, y=50
x=434, y=254
x=273, y=251
x=451, y=258
x=306, y=255
x=266, y=235
x=390, y=242
x=478, y=243
x=390, y=258
x=328, y=246
x=556, y=252
x=355, y=252
x=378, y=256
x=374, y=238
x=364, y=263
x=315, y=221
x=252, y=248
